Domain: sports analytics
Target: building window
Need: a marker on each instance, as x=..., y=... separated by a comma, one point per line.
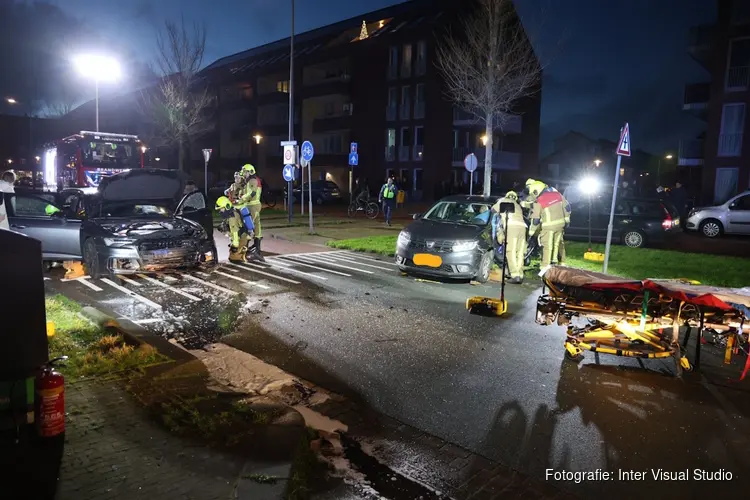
x=392, y=108
x=738, y=72
x=328, y=109
x=419, y=99
x=418, y=143
x=390, y=144
x=393, y=62
x=403, y=178
x=404, y=149
x=732, y=126
x=726, y=184
x=282, y=86
x=418, y=184
x=406, y=62
x=455, y=139
x=421, y=68
x=405, y=102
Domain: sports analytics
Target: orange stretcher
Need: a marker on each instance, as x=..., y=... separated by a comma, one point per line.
x=642, y=318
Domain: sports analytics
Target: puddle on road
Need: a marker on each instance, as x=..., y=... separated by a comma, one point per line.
x=387, y=483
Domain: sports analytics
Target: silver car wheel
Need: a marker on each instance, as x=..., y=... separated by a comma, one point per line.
x=711, y=229
x=634, y=239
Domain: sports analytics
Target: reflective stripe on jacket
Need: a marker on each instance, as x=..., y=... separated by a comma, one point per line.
x=551, y=210
x=388, y=192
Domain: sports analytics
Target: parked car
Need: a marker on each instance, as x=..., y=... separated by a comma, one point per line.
x=638, y=222
x=323, y=192
x=453, y=239
x=136, y=222
x=732, y=217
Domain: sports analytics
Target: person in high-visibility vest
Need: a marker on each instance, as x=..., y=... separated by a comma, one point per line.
x=387, y=197
x=550, y=215
x=240, y=229
x=516, y=229
x=251, y=199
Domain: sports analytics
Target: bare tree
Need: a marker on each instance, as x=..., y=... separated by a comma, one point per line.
x=489, y=67
x=176, y=108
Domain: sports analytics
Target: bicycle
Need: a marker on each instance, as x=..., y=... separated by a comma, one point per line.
x=370, y=208
x=268, y=198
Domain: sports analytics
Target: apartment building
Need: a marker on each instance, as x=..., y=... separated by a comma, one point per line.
x=370, y=80
x=720, y=158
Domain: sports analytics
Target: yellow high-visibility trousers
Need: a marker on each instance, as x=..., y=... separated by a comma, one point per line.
x=255, y=214
x=550, y=239
x=516, y=251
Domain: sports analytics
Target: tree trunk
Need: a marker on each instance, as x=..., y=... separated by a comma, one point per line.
x=181, y=156
x=488, y=157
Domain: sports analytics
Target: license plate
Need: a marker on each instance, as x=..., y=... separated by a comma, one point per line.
x=427, y=260
x=676, y=222
x=161, y=253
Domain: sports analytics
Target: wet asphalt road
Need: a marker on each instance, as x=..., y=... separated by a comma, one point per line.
x=497, y=386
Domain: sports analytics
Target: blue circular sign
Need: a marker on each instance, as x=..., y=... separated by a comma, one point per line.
x=470, y=162
x=307, y=151
x=288, y=173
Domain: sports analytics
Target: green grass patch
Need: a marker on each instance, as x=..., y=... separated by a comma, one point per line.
x=383, y=245
x=90, y=349
x=635, y=263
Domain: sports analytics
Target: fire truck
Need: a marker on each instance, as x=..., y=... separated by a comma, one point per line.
x=83, y=159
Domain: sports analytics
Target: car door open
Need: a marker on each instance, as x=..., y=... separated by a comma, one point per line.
x=193, y=206
x=37, y=218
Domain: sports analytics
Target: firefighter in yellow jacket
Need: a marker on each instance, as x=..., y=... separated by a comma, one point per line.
x=251, y=199
x=516, y=228
x=240, y=232
x=550, y=215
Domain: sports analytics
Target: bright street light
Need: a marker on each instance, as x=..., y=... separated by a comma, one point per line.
x=484, y=140
x=597, y=162
x=9, y=161
x=100, y=68
x=668, y=157
x=589, y=185
x=10, y=100
x=144, y=149
x=258, y=138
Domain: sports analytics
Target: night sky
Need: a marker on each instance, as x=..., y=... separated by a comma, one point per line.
x=608, y=61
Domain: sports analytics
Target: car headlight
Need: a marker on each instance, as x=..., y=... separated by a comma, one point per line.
x=118, y=242
x=403, y=239
x=464, y=246
x=694, y=211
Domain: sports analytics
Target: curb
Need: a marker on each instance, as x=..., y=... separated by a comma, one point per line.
x=137, y=334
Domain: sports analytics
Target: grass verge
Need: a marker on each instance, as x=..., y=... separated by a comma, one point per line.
x=635, y=263
x=91, y=350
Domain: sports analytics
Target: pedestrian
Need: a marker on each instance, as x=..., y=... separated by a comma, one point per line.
x=387, y=197
x=6, y=186
x=626, y=191
x=515, y=253
x=678, y=197
x=194, y=198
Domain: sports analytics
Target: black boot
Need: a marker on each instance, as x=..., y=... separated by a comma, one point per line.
x=258, y=255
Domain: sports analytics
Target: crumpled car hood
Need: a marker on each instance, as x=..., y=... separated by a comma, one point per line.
x=152, y=228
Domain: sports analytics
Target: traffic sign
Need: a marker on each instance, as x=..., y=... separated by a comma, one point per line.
x=470, y=162
x=207, y=154
x=623, y=147
x=353, y=148
x=288, y=173
x=307, y=151
x=290, y=154
x=353, y=159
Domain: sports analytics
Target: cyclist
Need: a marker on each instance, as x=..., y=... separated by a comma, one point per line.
x=364, y=194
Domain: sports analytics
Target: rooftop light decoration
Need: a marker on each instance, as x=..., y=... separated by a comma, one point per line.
x=363, y=32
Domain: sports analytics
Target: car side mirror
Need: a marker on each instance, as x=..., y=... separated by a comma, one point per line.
x=416, y=216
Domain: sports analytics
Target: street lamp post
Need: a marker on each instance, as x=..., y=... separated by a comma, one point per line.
x=589, y=185
x=289, y=184
x=100, y=68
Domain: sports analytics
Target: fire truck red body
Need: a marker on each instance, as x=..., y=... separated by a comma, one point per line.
x=84, y=158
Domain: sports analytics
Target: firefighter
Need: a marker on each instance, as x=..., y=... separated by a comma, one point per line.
x=516, y=227
x=550, y=215
x=239, y=232
x=234, y=192
x=251, y=199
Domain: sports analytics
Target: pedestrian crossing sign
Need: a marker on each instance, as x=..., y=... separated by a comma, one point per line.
x=623, y=147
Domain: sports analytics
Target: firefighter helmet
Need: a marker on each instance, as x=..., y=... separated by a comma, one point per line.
x=223, y=203
x=248, y=169
x=512, y=195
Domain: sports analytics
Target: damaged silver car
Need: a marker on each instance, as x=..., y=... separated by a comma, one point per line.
x=135, y=224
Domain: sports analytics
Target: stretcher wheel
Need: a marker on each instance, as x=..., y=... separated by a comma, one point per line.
x=577, y=358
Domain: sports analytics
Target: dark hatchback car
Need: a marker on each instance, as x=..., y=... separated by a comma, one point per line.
x=453, y=239
x=323, y=192
x=638, y=222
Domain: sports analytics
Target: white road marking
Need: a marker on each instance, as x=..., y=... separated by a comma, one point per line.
x=86, y=277
x=170, y=288
x=320, y=260
x=361, y=256
x=147, y=321
x=168, y=278
x=131, y=294
x=128, y=280
x=284, y=268
x=225, y=268
x=280, y=262
x=246, y=267
x=205, y=275
x=243, y=280
x=210, y=285
x=83, y=281
x=341, y=258
x=307, y=253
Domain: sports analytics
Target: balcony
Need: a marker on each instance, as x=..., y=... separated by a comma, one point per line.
x=511, y=124
x=403, y=153
x=392, y=72
x=738, y=79
x=331, y=123
x=730, y=145
x=390, y=113
x=405, y=111
x=419, y=111
x=701, y=44
x=418, y=152
x=501, y=160
x=390, y=153
x=691, y=153
x=695, y=99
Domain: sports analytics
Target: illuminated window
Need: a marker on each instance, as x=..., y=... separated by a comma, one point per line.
x=282, y=86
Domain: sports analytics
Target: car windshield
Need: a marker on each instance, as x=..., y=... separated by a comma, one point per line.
x=133, y=210
x=460, y=212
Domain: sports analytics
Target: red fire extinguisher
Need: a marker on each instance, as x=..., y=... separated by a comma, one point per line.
x=50, y=400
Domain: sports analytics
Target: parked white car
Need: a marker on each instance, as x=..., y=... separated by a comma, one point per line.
x=733, y=217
